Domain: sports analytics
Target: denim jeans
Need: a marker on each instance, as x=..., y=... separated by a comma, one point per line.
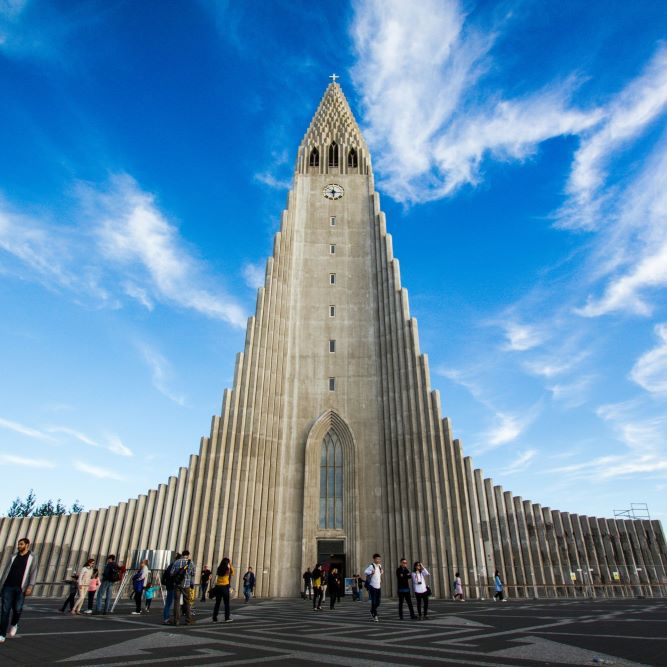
x=374, y=595
x=106, y=589
x=247, y=592
x=168, y=602
x=12, y=600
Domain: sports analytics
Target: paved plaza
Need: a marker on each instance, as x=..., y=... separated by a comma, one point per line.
x=288, y=632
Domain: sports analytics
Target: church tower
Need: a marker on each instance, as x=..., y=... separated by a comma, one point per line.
x=331, y=444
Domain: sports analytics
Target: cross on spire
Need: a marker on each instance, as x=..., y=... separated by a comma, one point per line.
x=333, y=77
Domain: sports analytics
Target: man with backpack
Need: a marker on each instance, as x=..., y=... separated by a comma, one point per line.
x=183, y=576
x=110, y=576
x=374, y=583
x=168, y=583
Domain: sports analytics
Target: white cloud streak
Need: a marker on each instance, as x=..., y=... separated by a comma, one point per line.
x=506, y=426
x=253, y=274
x=116, y=446
x=522, y=337
x=10, y=459
x=95, y=471
x=21, y=429
x=134, y=234
x=160, y=372
x=520, y=463
x=271, y=181
x=650, y=370
x=625, y=118
x=418, y=66
x=120, y=240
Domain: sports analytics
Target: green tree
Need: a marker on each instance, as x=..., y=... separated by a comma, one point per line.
x=49, y=509
x=22, y=508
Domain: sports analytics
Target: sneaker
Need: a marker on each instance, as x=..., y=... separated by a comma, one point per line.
x=12, y=631
x=88, y=611
x=229, y=620
x=503, y=600
x=134, y=613
x=376, y=619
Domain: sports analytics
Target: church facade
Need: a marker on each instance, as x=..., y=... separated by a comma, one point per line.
x=331, y=444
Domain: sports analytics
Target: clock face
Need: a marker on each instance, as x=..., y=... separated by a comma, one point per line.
x=333, y=191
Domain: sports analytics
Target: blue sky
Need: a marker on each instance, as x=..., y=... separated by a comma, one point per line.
x=520, y=149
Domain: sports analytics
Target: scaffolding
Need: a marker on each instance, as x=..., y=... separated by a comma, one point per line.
x=636, y=511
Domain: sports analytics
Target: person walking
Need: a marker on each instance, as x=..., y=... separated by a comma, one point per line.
x=18, y=581
x=317, y=587
x=248, y=584
x=85, y=577
x=73, y=583
x=307, y=584
x=499, y=588
x=183, y=573
x=223, y=581
x=403, y=579
x=421, y=589
x=374, y=574
x=204, y=581
x=92, y=588
x=110, y=575
x=139, y=582
x=334, y=584
x=169, y=586
x=458, y=588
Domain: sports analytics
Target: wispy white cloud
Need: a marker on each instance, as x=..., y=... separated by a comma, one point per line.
x=113, y=442
x=116, y=446
x=271, y=181
x=140, y=294
x=604, y=468
x=119, y=238
x=520, y=463
x=574, y=393
x=11, y=459
x=95, y=471
x=650, y=370
x=418, y=68
x=627, y=116
x=160, y=372
x=253, y=274
x=522, y=337
x=560, y=360
x=506, y=426
x=81, y=437
x=639, y=428
x=135, y=234
x=27, y=431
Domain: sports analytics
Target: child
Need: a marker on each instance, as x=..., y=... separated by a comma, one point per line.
x=92, y=588
x=149, y=594
x=73, y=584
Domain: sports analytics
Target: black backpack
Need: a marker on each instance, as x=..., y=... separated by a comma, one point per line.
x=168, y=578
x=178, y=575
x=114, y=572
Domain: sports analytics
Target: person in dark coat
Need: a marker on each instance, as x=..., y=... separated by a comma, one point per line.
x=248, y=584
x=334, y=587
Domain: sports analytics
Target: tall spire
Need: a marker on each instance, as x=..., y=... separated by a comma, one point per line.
x=333, y=122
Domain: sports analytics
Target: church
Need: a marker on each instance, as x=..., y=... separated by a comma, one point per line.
x=331, y=444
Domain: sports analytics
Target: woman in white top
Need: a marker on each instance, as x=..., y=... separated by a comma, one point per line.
x=419, y=572
x=85, y=576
